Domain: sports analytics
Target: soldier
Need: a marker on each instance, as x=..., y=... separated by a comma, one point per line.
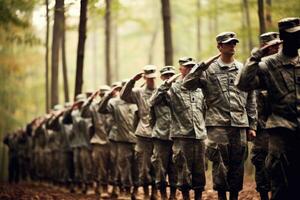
x=162, y=151
x=279, y=74
x=144, y=145
x=230, y=114
x=124, y=138
x=187, y=131
x=80, y=143
x=11, y=140
x=23, y=146
x=260, y=142
x=99, y=140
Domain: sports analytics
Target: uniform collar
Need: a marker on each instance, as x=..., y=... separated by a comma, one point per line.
x=229, y=66
x=285, y=60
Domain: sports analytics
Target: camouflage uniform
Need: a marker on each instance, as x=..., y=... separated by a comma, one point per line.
x=188, y=133
x=23, y=142
x=123, y=137
x=99, y=142
x=228, y=114
x=11, y=140
x=280, y=76
x=144, y=145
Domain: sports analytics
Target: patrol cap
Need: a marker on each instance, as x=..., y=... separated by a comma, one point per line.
x=290, y=24
x=184, y=59
x=167, y=70
x=117, y=84
x=104, y=88
x=189, y=64
x=124, y=81
x=80, y=97
x=57, y=107
x=67, y=104
x=150, y=71
x=226, y=37
x=265, y=38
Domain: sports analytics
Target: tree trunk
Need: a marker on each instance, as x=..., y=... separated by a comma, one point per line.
x=248, y=24
x=57, y=35
x=80, y=47
x=268, y=13
x=107, y=41
x=152, y=43
x=64, y=60
x=116, y=45
x=198, y=29
x=47, y=56
x=261, y=16
x=168, y=46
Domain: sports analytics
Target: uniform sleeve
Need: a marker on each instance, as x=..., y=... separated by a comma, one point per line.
x=158, y=96
x=249, y=77
x=86, y=110
x=195, y=78
x=251, y=108
x=103, y=106
x=127, y=93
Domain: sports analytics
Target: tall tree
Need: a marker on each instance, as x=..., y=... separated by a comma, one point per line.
x=248, y=24
x=198, y=2
x=80, y=47
x=107, y=41
x=261, y=16
x=268, y=13
x=116, y=40
x=56, y=42
x=64, y=59
x=47, y=56
x=168, y=46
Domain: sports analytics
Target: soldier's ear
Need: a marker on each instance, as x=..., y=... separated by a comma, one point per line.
x=219, y=46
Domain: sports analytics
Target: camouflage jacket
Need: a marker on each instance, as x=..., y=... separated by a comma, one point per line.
x=280, y=76
x=123, y=116
x=140, y=97
x=102, y=123
x=226, y=104
x=161, y=116
x=187, y=109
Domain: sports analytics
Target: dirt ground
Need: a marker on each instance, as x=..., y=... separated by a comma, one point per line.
x=34, y=191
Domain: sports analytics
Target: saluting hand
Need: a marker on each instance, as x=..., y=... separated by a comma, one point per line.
x=138, y=76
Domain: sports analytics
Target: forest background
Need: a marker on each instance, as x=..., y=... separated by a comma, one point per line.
x=51, y=50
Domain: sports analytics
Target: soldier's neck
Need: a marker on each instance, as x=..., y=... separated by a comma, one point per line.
x=226, y=59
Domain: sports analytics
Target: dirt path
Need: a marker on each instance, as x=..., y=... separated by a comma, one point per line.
x=30, y=191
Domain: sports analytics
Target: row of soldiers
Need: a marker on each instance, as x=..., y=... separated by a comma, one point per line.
x=159, y=136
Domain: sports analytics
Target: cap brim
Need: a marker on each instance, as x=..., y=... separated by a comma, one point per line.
x=189, y=64
x=168, y=72
x=152, y=75
x=292, y=30
x=229, y=40
x=275, y=41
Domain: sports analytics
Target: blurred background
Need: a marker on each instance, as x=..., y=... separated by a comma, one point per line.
x=51, y=50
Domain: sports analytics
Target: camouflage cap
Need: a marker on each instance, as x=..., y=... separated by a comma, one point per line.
x=104, y=88
x=189, y=64
x=167, y=70
x=150, y=71
x=290, y=24
x=57, y=107
x=266, y=38
x=184, y=59
x=226, y=37
x=80, y=97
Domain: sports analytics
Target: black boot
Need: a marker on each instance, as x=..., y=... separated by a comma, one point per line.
x=198, y=194
x=185, y=194
x=234, y=195
x=222, y=195
x=264, y=195
x=163, y=192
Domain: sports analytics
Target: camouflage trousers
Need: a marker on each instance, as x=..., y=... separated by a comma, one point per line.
x=258, y=157
x=162, y=163
x=38, y=164
x=13, y=168
x=126, y=164
x=189, y=160
x=101, y=161
x=66, y=169
x=55, y=165
x=283, y=163
x=226, y=148
x=82, y=164
x=143, y=153
x=114, y=175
